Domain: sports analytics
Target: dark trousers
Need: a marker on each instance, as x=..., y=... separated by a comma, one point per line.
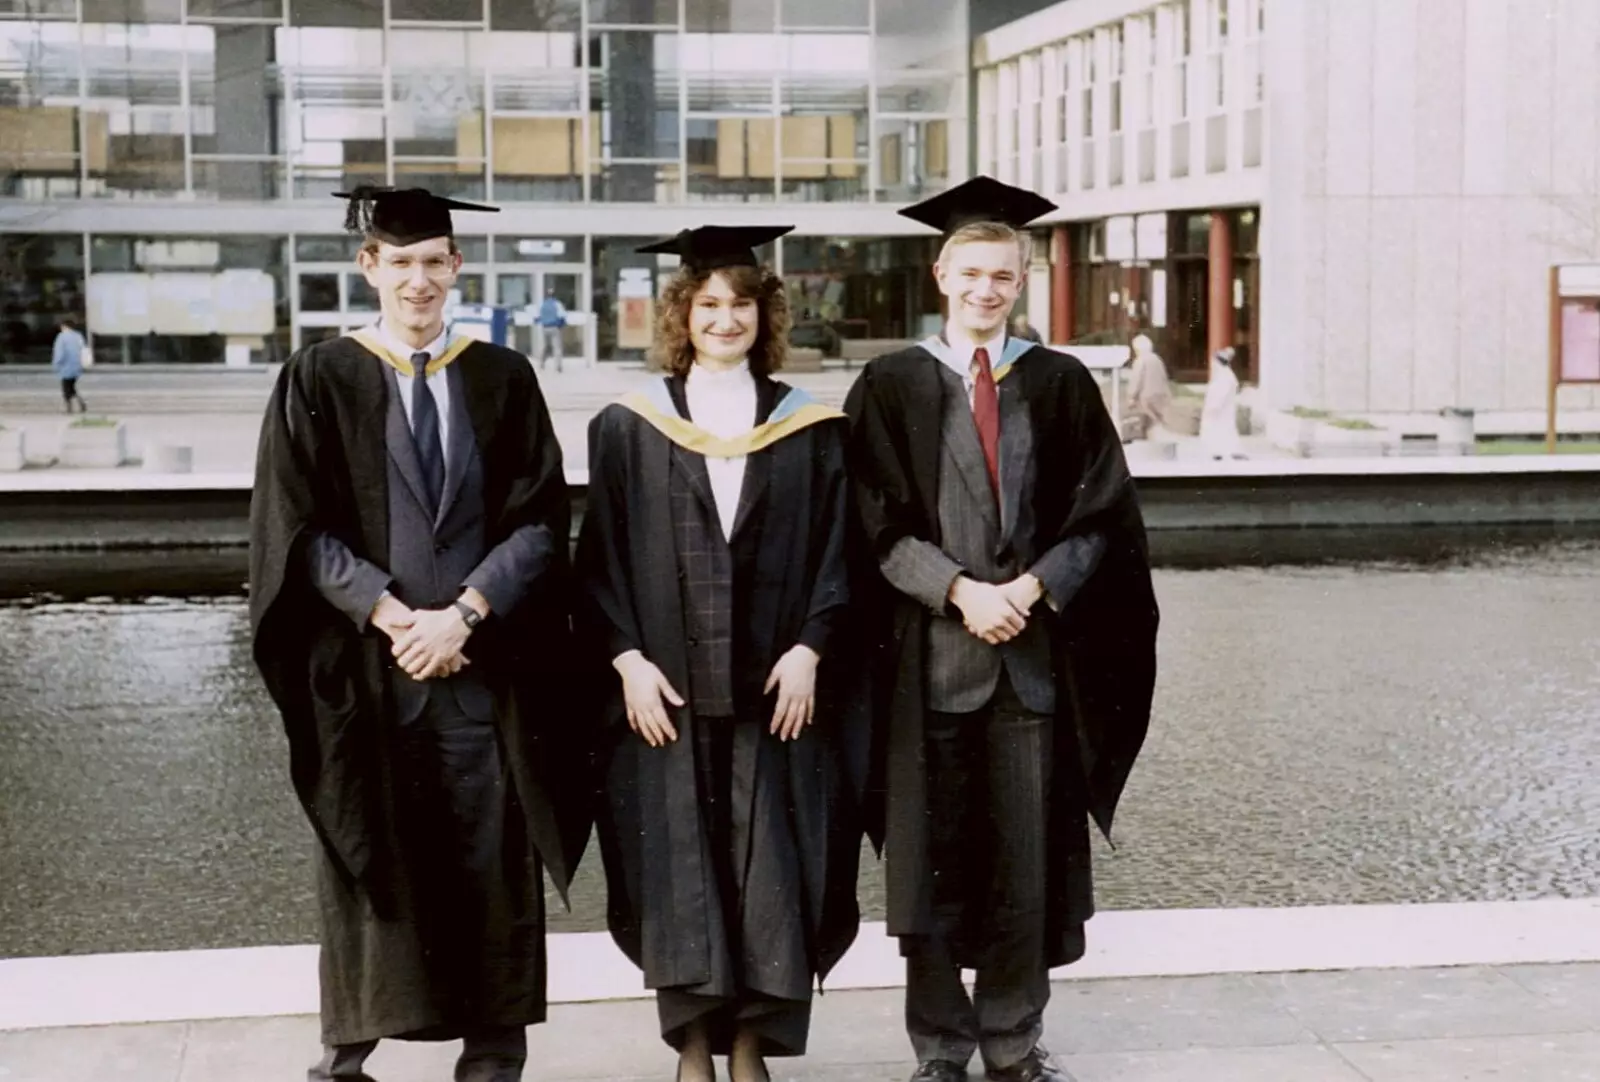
x=988, y=786
x=451, y=797
x=494, y=1054
x=69, y=394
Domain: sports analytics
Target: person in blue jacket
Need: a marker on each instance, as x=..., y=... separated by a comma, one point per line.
x=66, y=358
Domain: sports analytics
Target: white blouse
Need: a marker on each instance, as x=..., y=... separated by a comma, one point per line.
x=724, y=404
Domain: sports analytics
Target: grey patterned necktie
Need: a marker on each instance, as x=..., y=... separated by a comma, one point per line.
x=425, y=431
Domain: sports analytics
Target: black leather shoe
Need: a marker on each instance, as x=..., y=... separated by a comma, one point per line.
x=1036, y=1066
x=939, y=1070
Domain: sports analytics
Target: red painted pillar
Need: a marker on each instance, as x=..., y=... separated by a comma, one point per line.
x=1061, y=329
x=1219, y=291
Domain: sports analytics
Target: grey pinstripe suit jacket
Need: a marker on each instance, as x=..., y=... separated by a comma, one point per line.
x=962, y=670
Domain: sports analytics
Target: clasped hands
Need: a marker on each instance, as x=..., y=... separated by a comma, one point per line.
x=427, y=643
x=996, y=613
x=644, y=686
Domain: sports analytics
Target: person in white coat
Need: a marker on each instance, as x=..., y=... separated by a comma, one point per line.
x=1219, y=423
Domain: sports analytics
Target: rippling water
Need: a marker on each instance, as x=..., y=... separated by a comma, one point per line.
x=1369, y=733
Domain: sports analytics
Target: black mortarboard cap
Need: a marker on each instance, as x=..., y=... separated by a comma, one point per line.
x=981, y=199
x=401, y=216
x=713, y=246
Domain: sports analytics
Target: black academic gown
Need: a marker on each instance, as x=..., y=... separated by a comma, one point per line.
x=799, y=825
x=1103, y=641
x=321, y=466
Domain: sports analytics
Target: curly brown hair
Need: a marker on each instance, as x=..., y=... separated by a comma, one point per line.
x=672, y=352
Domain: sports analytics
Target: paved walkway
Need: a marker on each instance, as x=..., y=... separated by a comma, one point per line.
x=1511, y=1024
x=218, y=414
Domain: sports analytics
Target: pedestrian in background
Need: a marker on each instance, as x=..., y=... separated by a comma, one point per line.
x=67, y=357
x=1219, y=415
x=552, y=319
x=1149, y=391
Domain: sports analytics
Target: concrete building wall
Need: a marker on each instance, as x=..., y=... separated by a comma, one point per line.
x=1427, y=161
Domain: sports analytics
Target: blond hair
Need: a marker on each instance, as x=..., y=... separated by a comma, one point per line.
x=989, y=233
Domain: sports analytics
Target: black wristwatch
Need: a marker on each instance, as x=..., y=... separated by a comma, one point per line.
x=469, y=615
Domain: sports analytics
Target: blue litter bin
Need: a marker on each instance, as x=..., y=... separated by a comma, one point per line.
x=474, y=319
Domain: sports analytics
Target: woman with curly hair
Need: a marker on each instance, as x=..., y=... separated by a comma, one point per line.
x=712, y=559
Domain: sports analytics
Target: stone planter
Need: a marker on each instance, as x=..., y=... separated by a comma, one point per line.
x=13, y=449
x=95, y=447
x=1315, y=437
x=1291, y=433
x=1331, y=441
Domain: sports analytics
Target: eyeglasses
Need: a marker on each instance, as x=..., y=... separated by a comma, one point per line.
x=437, y=266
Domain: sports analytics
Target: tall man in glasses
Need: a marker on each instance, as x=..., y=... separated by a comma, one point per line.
x=408, y=570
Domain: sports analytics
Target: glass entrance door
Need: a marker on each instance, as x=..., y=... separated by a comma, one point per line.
x=523, y=291
x=327, y=303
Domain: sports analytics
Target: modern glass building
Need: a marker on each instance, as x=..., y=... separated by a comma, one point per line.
x=166, y=166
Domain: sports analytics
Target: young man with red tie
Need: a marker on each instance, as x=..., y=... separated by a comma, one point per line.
x=1017, y=649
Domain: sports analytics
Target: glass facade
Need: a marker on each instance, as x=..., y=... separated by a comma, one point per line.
x=1151, y=274
x=655, y=107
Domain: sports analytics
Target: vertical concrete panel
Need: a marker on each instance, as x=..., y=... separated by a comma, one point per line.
x=1313, y=233
x=1576, y=98
x=1349, y=303
x=1485, y=106
x=1525, y=270
x=1394, y=98
x=1530, y=97
x=1393, y=254
x=1311, y=52
x=1483, y=239
x=1440, y=78
x=1350, y=91
x=1437, y=333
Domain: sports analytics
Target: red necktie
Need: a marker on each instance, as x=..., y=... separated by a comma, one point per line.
x=986, y=412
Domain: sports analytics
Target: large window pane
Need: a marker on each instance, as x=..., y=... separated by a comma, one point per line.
x=330, y=248
x=455, y=11
x=731, y=73
x=39, y=9
x=540, y=158
x=852, y=14
x=736, y=15
x=437, y=108
x=823, y=137
x=913, y=158
x=634, y=12
x=208, y=300
x=43, y=276
x=536, y=14
x=235, y=9
x=921, y=92
x=132, y=11
x=133, y=132
x=856, y=287
x=731, y=159
x=459, y=180
x=362, y=13
x=335, y=78
x=38, y=136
